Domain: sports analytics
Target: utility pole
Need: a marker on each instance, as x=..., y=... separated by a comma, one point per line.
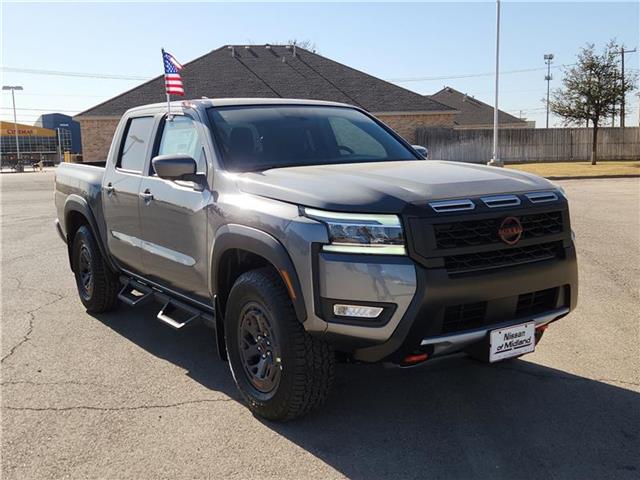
x=613, y=116
x=622, y=111
x=13, y=88
x=495, y=160
x=548, y=58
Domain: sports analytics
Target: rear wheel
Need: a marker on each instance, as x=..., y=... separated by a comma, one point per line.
x=97, y=285
x=280, y=370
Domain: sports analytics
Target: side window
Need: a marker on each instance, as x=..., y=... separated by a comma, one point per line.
x=134, y=148
x=356, y=140
x=181, y=136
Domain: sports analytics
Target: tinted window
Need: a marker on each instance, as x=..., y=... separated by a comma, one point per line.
x=136, y=140
x=181, y=136
x=260, y=137
x=351, y=138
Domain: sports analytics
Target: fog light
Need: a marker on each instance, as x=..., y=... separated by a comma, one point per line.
x=360, y=311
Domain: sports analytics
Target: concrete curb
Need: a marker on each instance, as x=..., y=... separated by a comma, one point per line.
x=588, y=177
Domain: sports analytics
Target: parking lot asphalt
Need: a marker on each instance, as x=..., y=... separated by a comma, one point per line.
x=121, y=396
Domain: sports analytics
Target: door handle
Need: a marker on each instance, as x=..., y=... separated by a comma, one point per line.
x=109, y=188
x=147, y=196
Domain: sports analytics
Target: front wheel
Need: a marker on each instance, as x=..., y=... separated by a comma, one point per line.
x=281, y=371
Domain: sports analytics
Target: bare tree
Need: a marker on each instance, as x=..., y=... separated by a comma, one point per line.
x=306, y=44
x=590, y=90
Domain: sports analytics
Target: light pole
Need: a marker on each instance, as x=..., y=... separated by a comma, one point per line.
x=548, y=58
x=59, y=145
x=495, y=161
x=13, y=88
x=59, y=130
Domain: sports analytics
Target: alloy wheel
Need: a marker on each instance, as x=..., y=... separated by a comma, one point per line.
x=85, y=272
x=259, y=350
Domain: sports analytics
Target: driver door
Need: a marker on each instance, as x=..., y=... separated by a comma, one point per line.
x=173, y=214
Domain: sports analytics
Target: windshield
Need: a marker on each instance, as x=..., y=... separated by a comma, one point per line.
x=271, y=136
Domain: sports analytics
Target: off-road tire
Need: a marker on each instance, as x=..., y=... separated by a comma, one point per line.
x=307, y=363
x=103, y=294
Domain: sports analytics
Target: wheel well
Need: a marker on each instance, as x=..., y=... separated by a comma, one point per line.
x=233, y=263
x=73, y=222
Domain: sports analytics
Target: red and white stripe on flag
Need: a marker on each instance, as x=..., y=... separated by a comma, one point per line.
x=173, y=84
x=175, y=62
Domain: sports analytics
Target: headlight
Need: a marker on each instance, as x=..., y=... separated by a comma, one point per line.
x=361, y=232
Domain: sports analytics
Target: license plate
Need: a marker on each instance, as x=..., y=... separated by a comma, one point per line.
x=512, y=341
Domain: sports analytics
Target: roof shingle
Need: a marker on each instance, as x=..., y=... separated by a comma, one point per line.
x=473, y=112
x=261, y=71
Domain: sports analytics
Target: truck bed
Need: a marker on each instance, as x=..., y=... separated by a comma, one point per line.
x=79, y=179
x=101, y=163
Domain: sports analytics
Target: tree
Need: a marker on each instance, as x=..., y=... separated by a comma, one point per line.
x=306, y=44
x=591, y=89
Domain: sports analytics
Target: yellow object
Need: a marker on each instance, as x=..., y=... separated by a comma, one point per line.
x=8, y=129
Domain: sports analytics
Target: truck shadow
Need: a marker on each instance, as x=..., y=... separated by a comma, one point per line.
x=193, y=348
x=458, y=418
x=454, y=418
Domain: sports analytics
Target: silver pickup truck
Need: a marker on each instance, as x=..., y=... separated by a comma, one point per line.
x=307, y=233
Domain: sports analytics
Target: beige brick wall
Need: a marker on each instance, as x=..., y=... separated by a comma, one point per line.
x=406, y=125
x=96, y=137
x=97, y=133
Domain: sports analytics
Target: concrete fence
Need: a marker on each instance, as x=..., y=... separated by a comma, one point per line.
x=530, y=144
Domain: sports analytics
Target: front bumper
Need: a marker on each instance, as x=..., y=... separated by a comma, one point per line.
x=451, y=343
x=418, y=325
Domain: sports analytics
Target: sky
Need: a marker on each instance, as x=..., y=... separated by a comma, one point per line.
x=421, y=46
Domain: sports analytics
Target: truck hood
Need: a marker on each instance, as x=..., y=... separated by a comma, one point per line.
x=384, y=187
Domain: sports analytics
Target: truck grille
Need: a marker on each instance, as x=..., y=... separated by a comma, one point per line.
x=470, y=262
x=472, y=233
x=463, y=242
x=468, y=316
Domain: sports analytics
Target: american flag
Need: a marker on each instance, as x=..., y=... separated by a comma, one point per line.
x=172, y=80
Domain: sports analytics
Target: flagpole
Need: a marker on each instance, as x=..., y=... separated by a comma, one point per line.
x=168, y=96
x=172, y=79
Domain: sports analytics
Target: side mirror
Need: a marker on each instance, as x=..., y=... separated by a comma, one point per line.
x=175, y=167
x=421, y=150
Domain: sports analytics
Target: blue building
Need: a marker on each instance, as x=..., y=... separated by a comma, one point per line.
x=64, y=122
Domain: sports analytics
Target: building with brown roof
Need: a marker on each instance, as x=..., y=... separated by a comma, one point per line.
x=271, y=71
x=474, y=114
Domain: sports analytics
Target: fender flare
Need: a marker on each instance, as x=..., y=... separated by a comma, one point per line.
x=75, y=203
x=232, y=236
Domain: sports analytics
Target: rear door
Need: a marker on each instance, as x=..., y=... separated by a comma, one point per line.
x=120, y=192
x=173, y=214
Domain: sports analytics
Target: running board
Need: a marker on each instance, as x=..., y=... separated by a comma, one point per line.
x=177, y=314
x=135, y=294
x=174, y=313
